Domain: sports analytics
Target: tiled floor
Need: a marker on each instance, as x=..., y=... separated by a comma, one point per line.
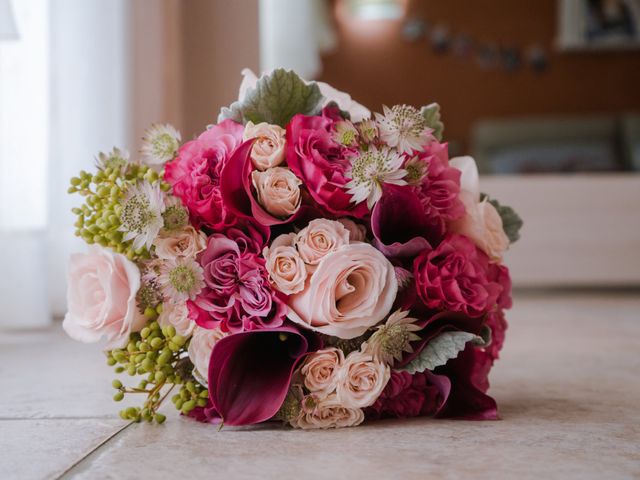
x=568, y=387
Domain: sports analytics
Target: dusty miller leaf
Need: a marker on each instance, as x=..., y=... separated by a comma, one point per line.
x=440, y=350
x=276, y=98
x=431, y=114
x=511, y=221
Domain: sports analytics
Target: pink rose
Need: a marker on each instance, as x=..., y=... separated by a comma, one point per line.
x=321, y=162
x=320, y=238
x=101, y=298
x=352, y=290
x=287, y=271
x=483, y=225
x=357, y=231
x=457, y=277
x=361, y=380
x=201, y=346
x=237, y=295
x=195, y=174
x=278, y=191
x=186, y=242
x=268, y=149
x=482, y=222
x=177, y=314
x=320, y=371
x=329, y=413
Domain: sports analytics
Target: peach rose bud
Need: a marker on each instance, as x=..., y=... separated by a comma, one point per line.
x=321, y=369
x=269, y=147
x=320, y=238
x=278, y=191
x=361, y=381
x=287, y=271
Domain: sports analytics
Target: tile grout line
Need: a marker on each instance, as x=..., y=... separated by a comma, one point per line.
x=93, y=450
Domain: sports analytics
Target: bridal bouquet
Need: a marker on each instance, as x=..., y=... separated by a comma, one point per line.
x=302, y=260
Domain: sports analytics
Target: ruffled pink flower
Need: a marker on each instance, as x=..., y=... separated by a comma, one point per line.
x=237, y=295
x=458, y=277
x=321, y=162
x=195, y=174
x=439, y=187
x=406, y=395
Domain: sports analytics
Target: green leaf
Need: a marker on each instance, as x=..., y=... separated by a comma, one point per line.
x=440, y=350
x=511, y=221
x=276, y=98
x=431, y=114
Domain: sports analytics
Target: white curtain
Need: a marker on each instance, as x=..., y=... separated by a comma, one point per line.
x=64, y=89
x=293, y=35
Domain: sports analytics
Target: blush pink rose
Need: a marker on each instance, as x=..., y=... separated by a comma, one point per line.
x=483, y=225
x=195, y=174
x=457, y=277
x=352, y=290
x=321, y=162
x=101, y=298
x=278, y=191
x=177, y=314
x=186, y=242
x=320, y=238
x=200, y=348
x=361, y=380
x=268, y=149
x=287, y=271
x=482, y=222
x=321, y=369
x=328, y=413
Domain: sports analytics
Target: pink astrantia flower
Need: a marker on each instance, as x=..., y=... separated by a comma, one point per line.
x=458, y=277
x=236, y=295
x=195, y=174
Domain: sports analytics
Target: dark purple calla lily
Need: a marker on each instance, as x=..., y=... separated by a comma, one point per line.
x=235, y=186
x=250, y=372
x=399, y=225
x=468, y=374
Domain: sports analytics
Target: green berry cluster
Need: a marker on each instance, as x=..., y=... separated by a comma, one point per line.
x=99, y=217
x=160, y=355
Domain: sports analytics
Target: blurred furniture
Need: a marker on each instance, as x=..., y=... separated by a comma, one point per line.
x=582, y=221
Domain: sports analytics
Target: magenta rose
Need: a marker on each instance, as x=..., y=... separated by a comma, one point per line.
x=195, y=174
x=321, y=162
x=457, y=277
x=439, y=187
x=237, y=295
x=406, y=395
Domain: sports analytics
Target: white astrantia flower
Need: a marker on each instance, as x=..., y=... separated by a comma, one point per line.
x=175, y=215
x=160, y=144
x=369, y=170
x=394, y=338
x=417, y=169
x=116, y=159
x=141, y=216
x=404, y=128
x=345, y=133
x=181, y=279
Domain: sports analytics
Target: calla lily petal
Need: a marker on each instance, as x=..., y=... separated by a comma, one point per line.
x=250, y=372
x=398, y=223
